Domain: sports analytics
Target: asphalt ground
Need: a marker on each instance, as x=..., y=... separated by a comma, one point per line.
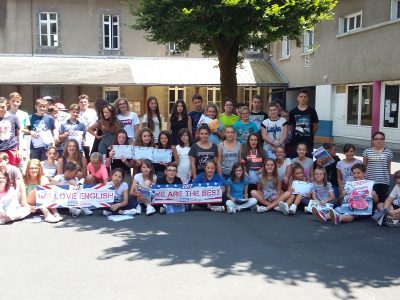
x=199, y=255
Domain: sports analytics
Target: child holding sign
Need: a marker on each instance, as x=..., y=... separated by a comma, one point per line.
x=141, y=187
x=342, y=213
x=121, y=194
x=298, y=192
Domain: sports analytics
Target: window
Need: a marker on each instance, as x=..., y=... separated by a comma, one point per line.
x=351, y=22
x=53, y=91
x=175, y=93
x=308, y=41
x=395, y=10
x=214, y=96
x=253, y=50
x=249, y=93
x=111, y=93
x=285, y=49
x=110, y=32
x=359, y=105
x=172, y=47
x=391, y=109
x=48, y=29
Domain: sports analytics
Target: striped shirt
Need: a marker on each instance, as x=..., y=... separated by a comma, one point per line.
x=378, y=165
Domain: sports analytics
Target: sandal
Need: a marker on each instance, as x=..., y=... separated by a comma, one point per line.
x=51, y=219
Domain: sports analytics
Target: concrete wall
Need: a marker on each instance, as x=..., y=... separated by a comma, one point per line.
x=79, y=29
x=359, y=56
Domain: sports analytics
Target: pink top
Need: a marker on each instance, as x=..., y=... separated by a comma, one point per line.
x=101, y=173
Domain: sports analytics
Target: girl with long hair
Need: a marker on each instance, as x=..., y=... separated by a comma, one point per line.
x=152, y=119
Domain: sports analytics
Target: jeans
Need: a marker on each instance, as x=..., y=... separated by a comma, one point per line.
x=248, y=204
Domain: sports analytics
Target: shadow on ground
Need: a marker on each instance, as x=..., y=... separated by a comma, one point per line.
x=292, y=250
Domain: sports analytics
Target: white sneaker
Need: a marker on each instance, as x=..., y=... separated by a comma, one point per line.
x=87, y=211
x=106, y=213
x=231, y=210
x=138, y=209
x=284, y=208
x=319, y=214
x=262, y=209
x=75, y=211
x=217, y=208
x=131, y=212
x=306, y=210
x=150, y=210
x=292, y=209
x=277, y=208
x=255, y=207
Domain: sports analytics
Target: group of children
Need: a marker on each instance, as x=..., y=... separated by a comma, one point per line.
x=247, y=158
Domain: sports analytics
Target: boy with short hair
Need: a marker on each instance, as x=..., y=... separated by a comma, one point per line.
x=169, y=178
x=40, y=122
x=257, y=115
x=195, y=115
x=72, y=127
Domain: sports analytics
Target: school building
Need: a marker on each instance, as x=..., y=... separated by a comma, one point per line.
x=351, y=67
x=65, y=48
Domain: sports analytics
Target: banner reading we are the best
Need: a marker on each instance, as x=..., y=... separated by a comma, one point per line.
x=56, y=196
x=201, y=193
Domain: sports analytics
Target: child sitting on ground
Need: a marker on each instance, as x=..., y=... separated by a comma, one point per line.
x=97, y=170
x=391, y=207
x=121, y=194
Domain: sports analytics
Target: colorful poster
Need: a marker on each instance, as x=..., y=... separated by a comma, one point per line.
x=323, y=157
x=358, y=199
x=201, y=193
x=55, y=196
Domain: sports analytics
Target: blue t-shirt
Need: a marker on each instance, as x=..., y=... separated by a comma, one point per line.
x=244, y=130
x=41, y=123
x=201, y=178
x=237, y=188
x=69, y=126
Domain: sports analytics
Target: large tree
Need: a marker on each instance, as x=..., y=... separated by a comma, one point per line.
x=227, y=27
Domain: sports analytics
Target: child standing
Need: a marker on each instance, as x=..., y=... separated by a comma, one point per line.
x=181, y=154
x=322, y=195
x=344, y=166
x=144, y=180
x=215, y=125
x=228, y=118
x=179, y=120
x=73, y=128
x=268, y=188
x=195, y=115
x=378, y=160
x=152, y=119
x=129, y=119
x=244, y=127
x=237, y=190
x=229, y=153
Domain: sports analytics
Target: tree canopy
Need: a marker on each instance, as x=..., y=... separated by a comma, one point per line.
x=227, y=27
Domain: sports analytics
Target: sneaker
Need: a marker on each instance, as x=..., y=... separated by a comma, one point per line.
x=130, y=212
x=284, y=208
x=138, y=209
x=75, y=211
x=306, y=210
x=335, y=217
x=292, y=209
x=231, y=210
x=262, y=209
x=217, y=208
x=163, y=210
x=58, y=217
x=320, y=215
x=106, y=213
x=150, y=210
x=255, y=207
x=391, y=222
x=277, y=208
x=87, y=211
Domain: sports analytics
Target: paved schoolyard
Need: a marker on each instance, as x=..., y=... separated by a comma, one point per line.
x=199, y=255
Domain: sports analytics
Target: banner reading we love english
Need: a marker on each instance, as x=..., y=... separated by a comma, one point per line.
x=57, y=196
x=201, y=193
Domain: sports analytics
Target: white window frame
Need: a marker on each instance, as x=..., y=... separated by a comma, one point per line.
x=285, y=48
x=111, y=89
x=308, y=41
x=395, y=10
x=48, y=22
x=111, y=36
x=176, y=90
x=345, y=22
x=359, y=107
x=172, y=47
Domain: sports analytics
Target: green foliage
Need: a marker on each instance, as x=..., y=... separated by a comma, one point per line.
x=244, y=22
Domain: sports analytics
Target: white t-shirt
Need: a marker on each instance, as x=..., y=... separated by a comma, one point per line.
x=395, y=194
x=129, y=122
x=156, y=131
x=345, y=168
x=88, y=118
x=282, y=169
x=273, y=128
x=119, y=192
x=139, y=179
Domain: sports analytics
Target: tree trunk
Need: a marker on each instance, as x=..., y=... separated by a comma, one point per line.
x=227, y=50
